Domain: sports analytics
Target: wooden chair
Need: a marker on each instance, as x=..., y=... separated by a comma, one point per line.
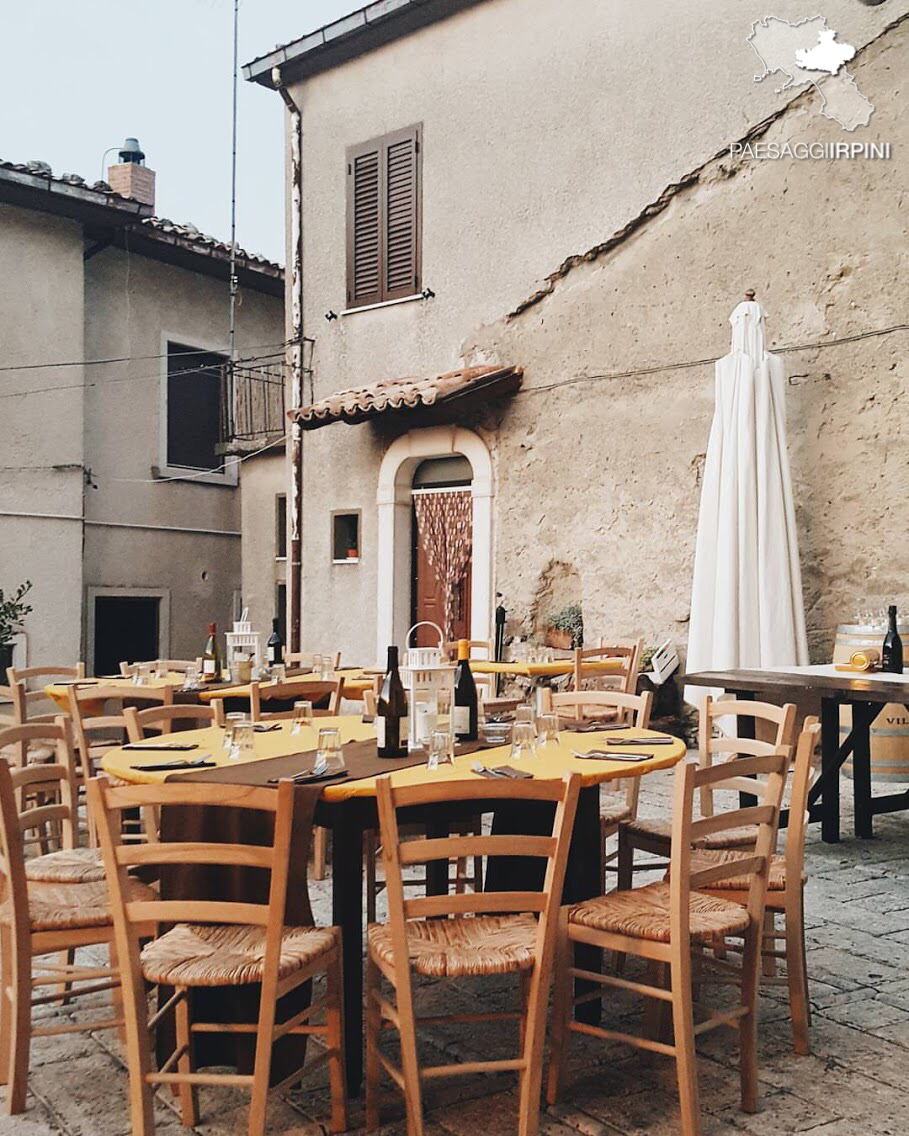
x=47, y=917
x=178, y=666
x=456, y=935
x=304, y=659
x=477, y=649
x=785, y=890
x=160, y=719
x=315, y=692
x=624, y=652
x=653, y=834
x=623, y=802
x=665, y=923
x=30, y=703
x=227, y=943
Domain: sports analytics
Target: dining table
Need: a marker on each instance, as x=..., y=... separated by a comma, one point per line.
x=866, y=693
x=347, y=807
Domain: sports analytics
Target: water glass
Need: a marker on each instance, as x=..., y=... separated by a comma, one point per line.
x=441, y=749
x=302, y=717
x=144, y=673
x=443, y=708
x=161, y=668
x=329, y=757
x=242, y=742
x=524, y=714
x=548, y=730
x=230, y=720
x=327, y=670
x=191, y=677
x=278, y=672
x=317, y=665
x=523, y=741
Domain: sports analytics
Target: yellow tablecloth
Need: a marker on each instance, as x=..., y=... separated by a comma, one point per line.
x=544, y=670
x=60, y=692
x=355, y=682
x=551, y=761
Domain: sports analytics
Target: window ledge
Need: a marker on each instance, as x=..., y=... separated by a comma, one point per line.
x=388, y=303
x=348, y=560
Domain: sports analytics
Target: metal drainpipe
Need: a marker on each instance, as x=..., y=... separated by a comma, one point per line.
x=295, y=359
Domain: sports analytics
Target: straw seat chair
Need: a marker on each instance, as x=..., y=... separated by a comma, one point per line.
x=653, y=835
x=18, y=708
x=46, y=917
x=665, y=923
x=447, y=936
x=96, y=731
x=216, y=943
x=785, y=891
x=622, y=804
x=161, y=719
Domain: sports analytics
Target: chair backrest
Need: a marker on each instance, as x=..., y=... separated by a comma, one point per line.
x=800, y=783
x=305, y=658
x=37, y=706
x=160, y=719
x=108, y=803
x=625, y=654
x=313, y=692
x=178, y=666
x=369, y=703
x=766, y=779
x=86, y=704
x=710, y=742
x=399, y=854
x=476, y=649
x=44, y=796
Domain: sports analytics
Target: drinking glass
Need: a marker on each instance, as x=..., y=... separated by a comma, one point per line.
x=191, y=677
x=230, y=720
x=441, y=748
x=242, y=744
x=317, y=665
x=326, y=671
x=302, y=717
x=278, y=672
x=161, y=668
x=144, y=673
x=443, y=709
x=548, y=730
x=329, y=758
x=524, y=714
x=523, y=741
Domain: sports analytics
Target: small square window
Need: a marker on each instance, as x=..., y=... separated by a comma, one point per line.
x=345, y=538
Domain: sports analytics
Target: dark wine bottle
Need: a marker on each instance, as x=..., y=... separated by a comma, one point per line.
x=391, y=710
x=274, y=648
x=892, y=653
x=464, y=710
x=212, y=663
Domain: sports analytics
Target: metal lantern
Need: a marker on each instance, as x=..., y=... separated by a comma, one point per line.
x=426, y=674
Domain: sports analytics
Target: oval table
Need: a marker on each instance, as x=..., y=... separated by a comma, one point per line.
x=348, y=808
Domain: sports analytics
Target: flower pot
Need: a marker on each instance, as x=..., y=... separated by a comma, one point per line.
x=560, y=640
x=6, y=659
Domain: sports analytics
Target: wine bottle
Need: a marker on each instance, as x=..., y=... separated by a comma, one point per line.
x=391, y=710
x=212, y=663
x=464, y=710
x=892, y=653
x=275, y=646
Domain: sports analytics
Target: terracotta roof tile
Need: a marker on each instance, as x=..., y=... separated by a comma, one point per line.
x=359, y=403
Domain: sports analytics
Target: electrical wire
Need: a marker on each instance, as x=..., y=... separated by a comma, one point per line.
x=202, y=472
x=130, y=358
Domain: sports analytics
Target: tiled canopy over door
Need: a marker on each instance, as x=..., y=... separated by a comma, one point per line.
x=383, y=218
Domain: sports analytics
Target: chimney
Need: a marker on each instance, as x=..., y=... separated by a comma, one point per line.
x=132, y=178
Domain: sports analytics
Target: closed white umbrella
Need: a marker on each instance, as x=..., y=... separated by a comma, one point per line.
x=746, y=600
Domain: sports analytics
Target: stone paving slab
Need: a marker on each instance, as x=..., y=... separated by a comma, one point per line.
x=853, y=1083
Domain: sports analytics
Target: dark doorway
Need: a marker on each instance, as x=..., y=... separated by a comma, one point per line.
x=126, y=629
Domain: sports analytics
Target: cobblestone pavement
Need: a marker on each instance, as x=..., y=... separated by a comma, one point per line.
x=853, y=1083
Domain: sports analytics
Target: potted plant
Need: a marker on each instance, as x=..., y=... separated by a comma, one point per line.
x=12, y=612
x=565, y=629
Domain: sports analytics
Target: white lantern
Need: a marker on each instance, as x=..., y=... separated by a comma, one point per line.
x=426, y=674
x=243, y=643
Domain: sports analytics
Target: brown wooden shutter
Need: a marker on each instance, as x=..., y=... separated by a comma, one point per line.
x=384, y=218
x=364, y=227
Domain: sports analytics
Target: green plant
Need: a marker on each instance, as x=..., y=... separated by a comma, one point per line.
x=13, y=611
x=571, y=621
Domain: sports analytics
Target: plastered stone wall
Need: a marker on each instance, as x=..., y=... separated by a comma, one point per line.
x=605, y=471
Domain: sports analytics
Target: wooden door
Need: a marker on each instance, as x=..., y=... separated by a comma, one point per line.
x=427, y=599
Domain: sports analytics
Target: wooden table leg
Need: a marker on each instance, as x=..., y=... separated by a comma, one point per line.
x=582, y=881
x=347, y=913
x=830, y=744
x=863, y=714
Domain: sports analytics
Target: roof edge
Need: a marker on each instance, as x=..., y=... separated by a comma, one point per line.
x=362, y=31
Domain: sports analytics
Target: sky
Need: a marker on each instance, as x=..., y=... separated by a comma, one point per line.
x=79, y=76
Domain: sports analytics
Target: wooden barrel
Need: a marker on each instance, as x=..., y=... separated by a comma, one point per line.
x=890, y=729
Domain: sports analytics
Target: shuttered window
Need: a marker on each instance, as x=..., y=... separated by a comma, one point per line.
x=383, y=218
